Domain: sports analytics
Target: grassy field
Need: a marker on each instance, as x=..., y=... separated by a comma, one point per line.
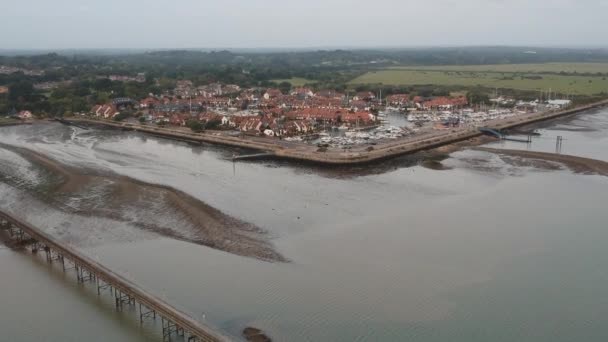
x=295, y=81
x=581, y=68
x=575, y=85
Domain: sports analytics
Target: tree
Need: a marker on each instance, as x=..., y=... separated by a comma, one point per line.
x=20, y=91
x=100, y=98
x=213, y=124
x=102, y=84
x=284, y=87
x=476, y=96
x=121, y=116
x=195, y=125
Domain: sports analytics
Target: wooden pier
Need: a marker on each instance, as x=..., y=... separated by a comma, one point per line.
x=175, y=324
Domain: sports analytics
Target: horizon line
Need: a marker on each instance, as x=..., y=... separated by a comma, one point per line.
x=321, y=47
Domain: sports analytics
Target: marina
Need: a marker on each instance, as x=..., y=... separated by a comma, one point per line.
x=294, y=150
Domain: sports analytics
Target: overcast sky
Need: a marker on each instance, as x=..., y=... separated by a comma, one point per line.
x=56, y=24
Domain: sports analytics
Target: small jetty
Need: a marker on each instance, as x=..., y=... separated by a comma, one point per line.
x=502, y=136
x=252, y=156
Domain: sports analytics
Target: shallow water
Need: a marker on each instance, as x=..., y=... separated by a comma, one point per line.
x=487, y=250
x=583, y=136
x=42, y=304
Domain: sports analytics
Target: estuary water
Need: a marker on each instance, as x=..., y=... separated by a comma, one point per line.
x=486, y=249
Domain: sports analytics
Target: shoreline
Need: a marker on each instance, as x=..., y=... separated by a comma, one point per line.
x=14, y=123
x=310, y=154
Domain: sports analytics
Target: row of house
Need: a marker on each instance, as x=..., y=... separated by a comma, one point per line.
x=7, y=70
x=271, y=126
x=444, y=103
x=214, y=96
x=23, y=115
x=421, y=103
x=187, y=88
x=332, y=116
x=106, y=111
x=140, y=78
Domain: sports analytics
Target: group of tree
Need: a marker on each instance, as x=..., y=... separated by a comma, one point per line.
x=84, y=76
x=199, y=126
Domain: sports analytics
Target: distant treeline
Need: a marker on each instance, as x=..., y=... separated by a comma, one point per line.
x=324, y=68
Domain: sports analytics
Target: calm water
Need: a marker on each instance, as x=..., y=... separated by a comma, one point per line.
x=484, y=251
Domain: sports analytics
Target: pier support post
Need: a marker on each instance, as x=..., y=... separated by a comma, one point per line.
x=558, y=144
x=20, y=235
x=122, y=298
x=147, y=314
x=83, y=274
x=35, y=247
x=47, y=251
x=5, y=225
x=55, y=257
x=101, y=287
x=169, y=328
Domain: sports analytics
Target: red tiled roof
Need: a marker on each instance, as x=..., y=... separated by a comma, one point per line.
x=315, y=113
x=445, y=102
x=357, y=116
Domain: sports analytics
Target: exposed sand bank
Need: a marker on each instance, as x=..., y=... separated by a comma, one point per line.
x=574, y=163
x=117, y=197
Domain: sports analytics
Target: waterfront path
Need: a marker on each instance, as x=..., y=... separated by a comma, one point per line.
x=383, y=150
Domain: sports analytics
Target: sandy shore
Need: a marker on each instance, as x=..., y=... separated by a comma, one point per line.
x=574, y=163
x=120, y=195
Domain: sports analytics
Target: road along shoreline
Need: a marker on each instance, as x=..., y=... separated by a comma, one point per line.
x=310, y=154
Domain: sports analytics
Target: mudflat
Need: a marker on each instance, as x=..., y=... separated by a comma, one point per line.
x=117, y=194
x=575, y=163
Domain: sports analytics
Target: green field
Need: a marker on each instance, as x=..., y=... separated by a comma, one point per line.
x=581, y=68
x=575, y=85
x=295, y=81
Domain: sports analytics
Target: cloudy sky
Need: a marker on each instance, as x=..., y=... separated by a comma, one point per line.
x=55, y=24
